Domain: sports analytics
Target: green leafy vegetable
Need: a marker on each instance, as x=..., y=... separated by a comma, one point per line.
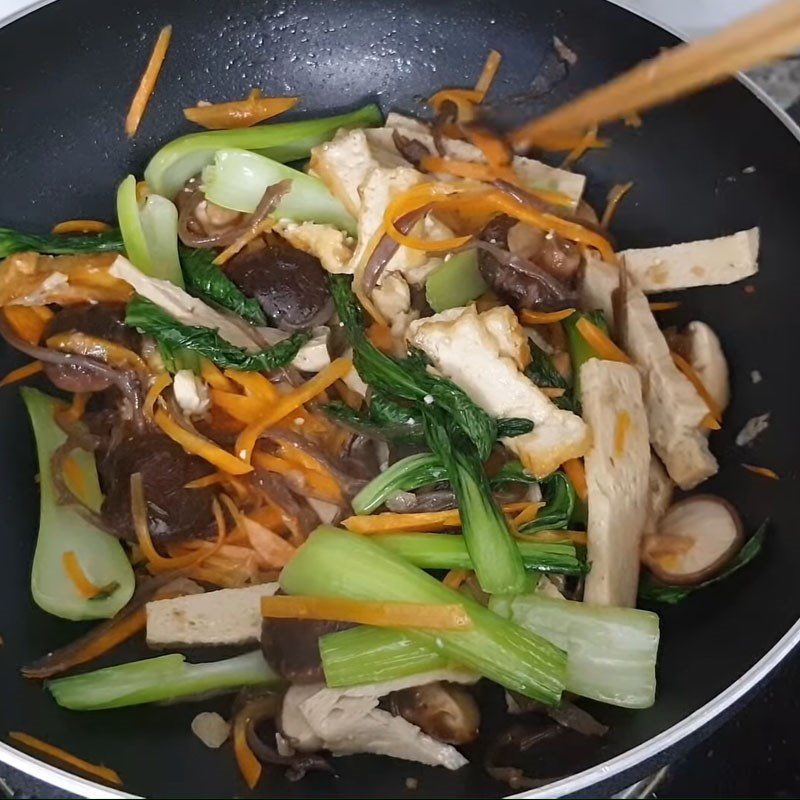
x=150, y=232
x=409, y=378
x=148, y=318
x=455, y=282
x=543, y=373
x=560, y=498
x=206, y=280
x=449, y=551
x=364, y=422
x=12, y=241
x=63, y=529
x=611, y=652
x=158, y=680
x=336, y=563
x=580, y=350
x=405, y=475
x=656, y=592
x=509, y=427
x=238, y=179
x=495, y=556
x=511, y=472
x=185, y=157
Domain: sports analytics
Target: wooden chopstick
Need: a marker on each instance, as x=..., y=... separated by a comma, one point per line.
x=771, y=33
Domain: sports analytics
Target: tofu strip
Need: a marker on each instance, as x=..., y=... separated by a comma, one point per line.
x=617, y=469
x=708, y=262
x=483, y=354
x=675, y=411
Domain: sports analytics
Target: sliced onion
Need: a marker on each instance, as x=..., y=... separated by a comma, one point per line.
x=696, y=538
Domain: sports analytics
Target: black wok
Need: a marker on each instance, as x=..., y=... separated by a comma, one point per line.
x=67, y=73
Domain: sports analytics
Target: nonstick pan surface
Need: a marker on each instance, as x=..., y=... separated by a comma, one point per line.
x=67, y=73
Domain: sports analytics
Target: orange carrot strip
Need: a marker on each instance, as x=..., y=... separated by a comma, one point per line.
x=488, y=74
x=463, y=99
x=381, y=336
x=615, y=196
x=691, y=374
x=240, y=407
x=198, y=445
x=154, y=392
x=273, y=551
x=765, y=472
x=78, y=577
x=248, y=764
x=576, y=473
x=528, y=514
x=81, y=226
x=456, y=577
x=28, y=322
x=75, y=478
x=238, y=113
x=668, y=305
x=289, y=402
x=600, y=342
x=21, y=373
x=576, y=537
x=254, y=384
x=420, y=521
x=147, y=83
x=104, y=773
x=588, y=142
x=77, y=407
x=207, y=480
x=495, y=149
x=244, y=239
x=528, y=317
x=213, y=376
x=393, y=615
x=621, y=428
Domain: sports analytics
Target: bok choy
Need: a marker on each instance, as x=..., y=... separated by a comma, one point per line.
x=580, y=350
x=237, y=179
x=12, y=241
x=160, y=680
x=150, y=232
x=336, y=563
x=185, y=157
x=611, y=652
x=62, y=529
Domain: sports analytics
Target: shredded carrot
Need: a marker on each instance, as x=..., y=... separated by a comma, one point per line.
x=553, y=391
x=75, y=477
x=600, y=342
x=464, y=100
x=86, y=345
x=248, y=764
x=78, y=577
x=618, y=191
x=255, y=385
x=381, y=337
x=588, y=142
x=488, y=74
x=289, y=402
x=669, y=305
x=316, y=483
x=272, y=550
x=266, y=224
x=621, y=428
x=527, y=514
x=212, y=375
x=28, y=322
x=154, y=392
x=77, y=407
x=472, y=170
x=147, y=83
x=393, y=615
x=200, y=446
x=528, y=317
x=633, y=120
x=419, y=521
x=576, y=537
x=576, y=473
x=495, y=149
x=104, y=773
x=213, y=479
x=21, y=373
x=691, y=374
x=765, y=472
x=238, y=113
x=81, y=226
x=349, y=396
x=240, y=407
x=455, y=578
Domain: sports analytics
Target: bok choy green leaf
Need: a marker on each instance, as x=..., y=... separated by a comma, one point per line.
x=560, y=500
x=12, y=241
x=159, y=680
x=185, y=157
x=62, y=529
x=237, y=179
x=148, y=318
x=150, y=232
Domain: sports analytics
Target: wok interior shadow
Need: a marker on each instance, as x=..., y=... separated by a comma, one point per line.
x=66, y=76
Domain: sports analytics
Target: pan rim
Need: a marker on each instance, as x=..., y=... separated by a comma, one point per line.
x=649, y=750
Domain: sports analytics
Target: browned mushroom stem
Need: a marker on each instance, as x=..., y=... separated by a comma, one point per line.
x=446, y=711
x=696, y=538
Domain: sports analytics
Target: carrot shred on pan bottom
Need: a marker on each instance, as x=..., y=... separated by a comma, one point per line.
x=395, y=615
x=148, y=81
x=81, y=226
x=249, y=765
x=104, y=773
x=765, y=472
x=664, y=305
x=21, y=373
